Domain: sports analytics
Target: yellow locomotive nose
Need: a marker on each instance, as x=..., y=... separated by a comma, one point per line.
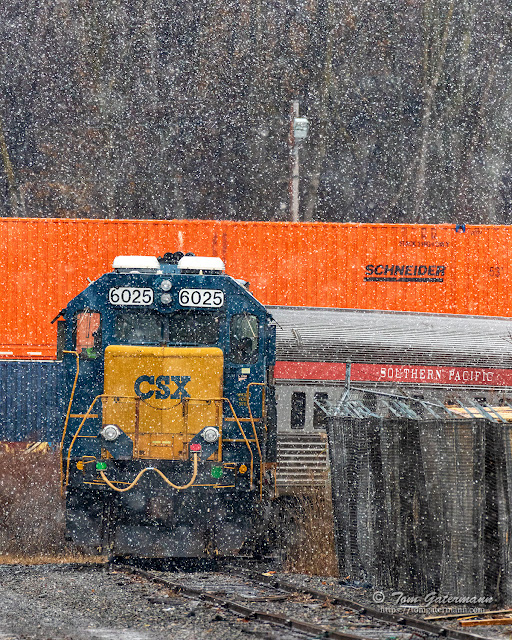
x=162, y=396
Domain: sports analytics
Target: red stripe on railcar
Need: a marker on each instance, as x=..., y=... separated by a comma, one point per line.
x=335, y=371
x=310, y=370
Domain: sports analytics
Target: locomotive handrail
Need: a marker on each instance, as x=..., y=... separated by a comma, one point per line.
x=143, y=471
x=67, y=419
x=244, y=436
x=102, y=395
x=239, y=426
x=248, y=396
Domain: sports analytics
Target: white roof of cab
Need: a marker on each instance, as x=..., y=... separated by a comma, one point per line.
x=201, y=263
x=136, y=263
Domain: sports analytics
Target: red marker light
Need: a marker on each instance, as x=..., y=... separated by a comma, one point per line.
x=195, y=447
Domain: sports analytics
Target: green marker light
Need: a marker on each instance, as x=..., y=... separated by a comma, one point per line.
x=217, y=472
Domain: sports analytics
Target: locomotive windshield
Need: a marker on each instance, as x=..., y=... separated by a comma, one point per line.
x=190, y=327
x=139, y=328
x=194, y=327
x=244, y=338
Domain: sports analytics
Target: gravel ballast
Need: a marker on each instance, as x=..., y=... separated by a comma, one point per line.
x=90, y=602
x=62, y=602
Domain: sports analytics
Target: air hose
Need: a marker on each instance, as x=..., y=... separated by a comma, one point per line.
x=143, y=471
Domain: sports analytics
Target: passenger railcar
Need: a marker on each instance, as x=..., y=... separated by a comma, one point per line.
x=441, y=358
x=169, y=443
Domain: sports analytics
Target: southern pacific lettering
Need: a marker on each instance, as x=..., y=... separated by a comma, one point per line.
x=404, y=272
x=444, y=375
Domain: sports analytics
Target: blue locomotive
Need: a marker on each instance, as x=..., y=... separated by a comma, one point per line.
x=169, y=441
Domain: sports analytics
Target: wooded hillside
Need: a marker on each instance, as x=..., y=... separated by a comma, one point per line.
x=173, y=109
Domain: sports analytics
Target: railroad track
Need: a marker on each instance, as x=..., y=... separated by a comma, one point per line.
x=273, y=608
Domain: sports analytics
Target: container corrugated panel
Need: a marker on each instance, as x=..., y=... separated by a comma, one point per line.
x=31, y=402
x=429, y=268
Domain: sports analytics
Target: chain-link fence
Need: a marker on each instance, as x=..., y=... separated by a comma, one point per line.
x=423, y=505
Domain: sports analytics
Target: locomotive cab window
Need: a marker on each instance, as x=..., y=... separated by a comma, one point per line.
x=243, y=338
x=194, y=327
x=139, y=328
x=87, y=334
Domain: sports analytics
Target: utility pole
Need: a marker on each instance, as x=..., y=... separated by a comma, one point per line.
x=294, y=160
x=299, y=128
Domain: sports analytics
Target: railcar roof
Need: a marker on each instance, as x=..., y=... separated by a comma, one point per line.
x=392, y=337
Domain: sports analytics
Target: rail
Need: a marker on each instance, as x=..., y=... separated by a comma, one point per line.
x=378, y=622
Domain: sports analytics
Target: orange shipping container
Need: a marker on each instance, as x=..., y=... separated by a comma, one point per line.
x=432, y=268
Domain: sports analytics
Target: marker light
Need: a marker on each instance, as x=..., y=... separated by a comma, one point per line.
x=195, y=447
x=165, y=298
x=166, y=285
x=110, y=432
x=101, y=466
x=210, y=434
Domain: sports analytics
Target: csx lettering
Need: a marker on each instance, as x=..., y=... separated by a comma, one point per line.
x=163, y=391
x=181, y=382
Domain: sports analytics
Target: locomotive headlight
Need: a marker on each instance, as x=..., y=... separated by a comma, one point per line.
x=165, y=298
x=110, y=432
x=166, y=285
x=210, y=434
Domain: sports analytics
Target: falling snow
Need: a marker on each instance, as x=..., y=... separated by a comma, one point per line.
x=169, y=110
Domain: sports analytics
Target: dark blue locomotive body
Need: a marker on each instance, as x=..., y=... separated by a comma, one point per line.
x=169, y=444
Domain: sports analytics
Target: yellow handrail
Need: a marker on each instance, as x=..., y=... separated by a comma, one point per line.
x=237, y=421
x=67, y=420
x=143, y=471
x=102, y=395
x=244, y=436
x=248, y=396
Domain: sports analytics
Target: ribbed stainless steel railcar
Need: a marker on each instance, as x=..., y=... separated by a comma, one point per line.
x=440, y=358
